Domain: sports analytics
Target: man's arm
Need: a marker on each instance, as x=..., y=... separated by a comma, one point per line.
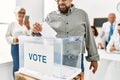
x=93, y=55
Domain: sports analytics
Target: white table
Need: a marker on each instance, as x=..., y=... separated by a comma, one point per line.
x=109, y=67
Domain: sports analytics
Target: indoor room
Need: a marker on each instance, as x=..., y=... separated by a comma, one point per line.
x=38, y=13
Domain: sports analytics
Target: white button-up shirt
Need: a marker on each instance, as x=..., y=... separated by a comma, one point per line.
x=105, y=30
x=115, y=41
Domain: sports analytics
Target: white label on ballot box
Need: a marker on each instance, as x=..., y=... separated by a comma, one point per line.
x=39, y=57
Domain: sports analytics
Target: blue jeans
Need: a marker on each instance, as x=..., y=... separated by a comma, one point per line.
x=82, y=62
x=15, y=57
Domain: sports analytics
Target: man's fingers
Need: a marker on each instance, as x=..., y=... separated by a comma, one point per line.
x=37, y=27
x=94, y=70
x=90, y=67
x=34, y=30
x=94, y=66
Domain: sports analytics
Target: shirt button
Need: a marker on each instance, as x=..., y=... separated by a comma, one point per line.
x=67, y=51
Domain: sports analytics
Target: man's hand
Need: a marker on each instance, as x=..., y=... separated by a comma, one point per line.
x=36, y=28
x=93, y=66
x=15, y=40
x=112, y=48
x=100, y=45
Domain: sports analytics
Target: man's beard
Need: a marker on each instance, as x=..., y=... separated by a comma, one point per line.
x=63, y=10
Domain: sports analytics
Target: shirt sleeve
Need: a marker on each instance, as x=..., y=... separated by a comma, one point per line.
x=110, y=44
x=8, y=35
x=90, y=44
x=101, y=34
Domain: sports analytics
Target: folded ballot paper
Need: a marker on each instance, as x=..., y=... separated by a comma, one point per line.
x=47, y=31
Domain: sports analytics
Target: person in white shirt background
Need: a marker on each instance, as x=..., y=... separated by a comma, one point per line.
x=104, y=34
x=15, y=29
x=98, y=40
x=114, y=44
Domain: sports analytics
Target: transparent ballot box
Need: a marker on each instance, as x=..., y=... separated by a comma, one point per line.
x=58, y=58
x=72, y=49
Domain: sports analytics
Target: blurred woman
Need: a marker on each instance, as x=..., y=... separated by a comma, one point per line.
x=16, y=29
x=98, y=40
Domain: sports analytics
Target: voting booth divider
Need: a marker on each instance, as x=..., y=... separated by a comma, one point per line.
x=42, y=58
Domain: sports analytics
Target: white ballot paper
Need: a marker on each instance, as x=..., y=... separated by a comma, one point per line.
x=47, y=30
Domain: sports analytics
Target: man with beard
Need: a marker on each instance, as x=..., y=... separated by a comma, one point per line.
x=70, y=21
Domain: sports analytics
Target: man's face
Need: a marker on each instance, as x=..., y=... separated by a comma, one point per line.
x=111, y=18
x=64, y=5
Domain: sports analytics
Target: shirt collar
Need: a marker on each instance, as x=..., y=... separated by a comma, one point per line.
x=113, y=23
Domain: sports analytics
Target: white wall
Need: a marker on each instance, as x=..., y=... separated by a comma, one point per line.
x=34, y=9
x=6, y=10
x=49, y=5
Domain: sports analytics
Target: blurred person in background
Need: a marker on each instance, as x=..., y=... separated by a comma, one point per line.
x=16, y=29
x=114, y=44
x=98, y=40
x=108, y=28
